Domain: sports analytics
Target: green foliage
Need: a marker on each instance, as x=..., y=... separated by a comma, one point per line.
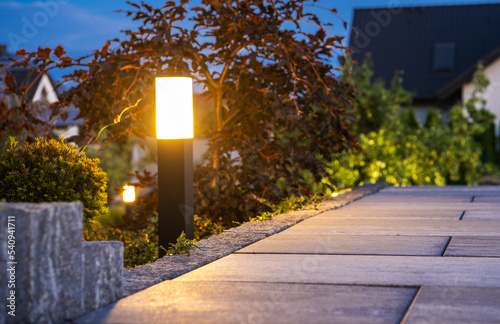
x=433, y=119
x=116, y=159
x=115, y=216
x=139, y=246
x=289, y=204
x=376, y=106
x=205, y=227
x=399, y=151
x=411, y=119
x=483, y=128
x=182, y=246
x=50, y=170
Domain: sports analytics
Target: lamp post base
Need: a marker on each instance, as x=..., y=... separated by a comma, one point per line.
x=175, y=191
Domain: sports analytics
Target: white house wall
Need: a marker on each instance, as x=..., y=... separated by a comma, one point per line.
x=492, y=94
x=67, y=132
x=45, y=84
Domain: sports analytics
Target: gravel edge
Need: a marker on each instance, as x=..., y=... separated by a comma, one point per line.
x=231, y=240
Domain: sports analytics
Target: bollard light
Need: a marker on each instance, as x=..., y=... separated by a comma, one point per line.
x=174, y=131
x=128, y=195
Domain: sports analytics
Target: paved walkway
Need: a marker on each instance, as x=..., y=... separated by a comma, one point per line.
x=412, y=255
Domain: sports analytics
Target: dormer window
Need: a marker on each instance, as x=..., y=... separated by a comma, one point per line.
x=444, y=57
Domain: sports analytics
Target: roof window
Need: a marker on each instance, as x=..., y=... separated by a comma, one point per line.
x=444, y=57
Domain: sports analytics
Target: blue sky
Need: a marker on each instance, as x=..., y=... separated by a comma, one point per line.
x=85, y=25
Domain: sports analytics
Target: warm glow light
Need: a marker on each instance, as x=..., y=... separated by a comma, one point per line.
x=335, y=194
x=174, y=107
x=128, y=193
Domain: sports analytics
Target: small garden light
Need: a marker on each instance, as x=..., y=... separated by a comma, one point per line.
x=128, y=195
x=174, y=131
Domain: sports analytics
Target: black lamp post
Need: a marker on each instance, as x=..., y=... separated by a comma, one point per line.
x=174, y=131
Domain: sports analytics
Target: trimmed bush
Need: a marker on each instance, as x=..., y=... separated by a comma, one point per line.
x=50, y=170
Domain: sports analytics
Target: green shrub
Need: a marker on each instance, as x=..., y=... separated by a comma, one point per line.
x=183, y=246
x=50, y=170
x=397, y=150
x=204, y=227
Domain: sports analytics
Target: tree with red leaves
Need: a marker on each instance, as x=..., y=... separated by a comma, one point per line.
x=265, y=65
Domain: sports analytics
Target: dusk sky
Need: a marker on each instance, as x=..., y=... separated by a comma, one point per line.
x=83, y=26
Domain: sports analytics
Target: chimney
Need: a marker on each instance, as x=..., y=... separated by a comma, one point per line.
x=3, y=49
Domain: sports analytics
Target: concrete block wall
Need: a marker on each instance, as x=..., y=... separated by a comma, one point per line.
x=55, y=275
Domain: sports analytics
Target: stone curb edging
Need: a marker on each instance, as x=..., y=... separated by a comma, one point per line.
x=231, y=240
x=53, y=275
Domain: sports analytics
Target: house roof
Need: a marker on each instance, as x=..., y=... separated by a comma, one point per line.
x=27, y=75
x=20, y=74
x=456, y=84
x=436, y=47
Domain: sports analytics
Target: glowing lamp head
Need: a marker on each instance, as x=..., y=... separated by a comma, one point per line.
x=128, y=194
x=174, y=107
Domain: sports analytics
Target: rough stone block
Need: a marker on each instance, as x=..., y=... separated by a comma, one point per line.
x=103, y=267
x=49, y=269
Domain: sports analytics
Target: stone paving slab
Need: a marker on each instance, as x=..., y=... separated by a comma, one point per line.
x=445, y=189
x=354, y=212
x=428, y=207
x=487, y=198
x=243, y=302
x=455, y=305
x=427, y=199
x=355, y=264
x=391, y=192
x=474, y=247
x=483, y=206
x=349, y=244
x=352, y=270
x=322, y=226
x=491, y=214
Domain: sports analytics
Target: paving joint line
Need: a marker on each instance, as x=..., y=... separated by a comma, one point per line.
x=408, y=310
x=446, y=246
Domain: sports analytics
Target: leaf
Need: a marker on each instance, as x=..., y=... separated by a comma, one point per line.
x=104, y=50
x=44, y=53
x=133, y=4
x=59, y=51
x=9, y=80
x=21, y=52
